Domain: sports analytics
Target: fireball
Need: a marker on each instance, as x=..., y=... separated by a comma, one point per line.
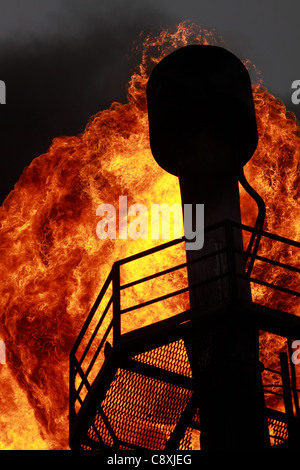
x=53, y=265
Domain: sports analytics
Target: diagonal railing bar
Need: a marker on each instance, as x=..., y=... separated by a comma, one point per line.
x=272, y=261
x=96, y=354
x=82, y=375
x=109, y=303
x=268, y=284
x=92, y=313
x=172, y=294
x=172, y=269
x=270, y=235
x=99, y=348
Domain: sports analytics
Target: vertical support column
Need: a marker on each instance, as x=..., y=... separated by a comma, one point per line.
x=116, y=304
x=231, y=400
x=231, y=260
x=72, y=375
x=286, y=386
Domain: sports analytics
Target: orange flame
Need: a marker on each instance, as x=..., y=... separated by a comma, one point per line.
x=52, y=263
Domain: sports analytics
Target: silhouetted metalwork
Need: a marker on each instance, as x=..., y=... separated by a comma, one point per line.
x=197, y=373
x=202, y=123
x=136, y=389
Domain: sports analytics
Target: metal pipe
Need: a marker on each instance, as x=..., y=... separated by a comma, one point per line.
x=203, y=129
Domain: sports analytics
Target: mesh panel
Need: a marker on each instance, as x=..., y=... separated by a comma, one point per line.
x=172, y=357
x=278, y=431
x=196, y=417
x=186, y=441
x=143, y=411
x=98, y=431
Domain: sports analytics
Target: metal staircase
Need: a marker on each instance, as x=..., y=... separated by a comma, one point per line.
x=140, y=389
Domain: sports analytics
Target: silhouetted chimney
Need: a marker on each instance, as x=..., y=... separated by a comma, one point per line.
x=203, y=130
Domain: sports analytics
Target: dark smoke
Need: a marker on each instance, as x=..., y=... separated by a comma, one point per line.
x=56, y=82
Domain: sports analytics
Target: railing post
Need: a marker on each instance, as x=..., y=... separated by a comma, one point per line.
x=230, y=245
x=287, y=391
x=116, y=303
x=72, y=375
x=239, y=285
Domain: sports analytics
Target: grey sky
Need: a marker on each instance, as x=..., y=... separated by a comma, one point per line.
x=265, y=31
x=64, y=60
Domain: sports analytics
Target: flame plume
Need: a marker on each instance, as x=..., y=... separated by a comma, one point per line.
x=52, y=264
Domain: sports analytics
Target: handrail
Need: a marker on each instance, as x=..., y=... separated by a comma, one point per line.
x=92, y=313
x=114, y=301
x=172, y=294
x=172, y=269
x=271, y=261
x=268, y=284
x=166, y=245
x=270, y=235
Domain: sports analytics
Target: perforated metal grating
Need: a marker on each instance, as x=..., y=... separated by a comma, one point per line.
x=172, y=357
x=278, y=431
x=133, y=400
x=141, y=411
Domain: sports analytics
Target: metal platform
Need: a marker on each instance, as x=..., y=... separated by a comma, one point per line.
x=137, y=389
